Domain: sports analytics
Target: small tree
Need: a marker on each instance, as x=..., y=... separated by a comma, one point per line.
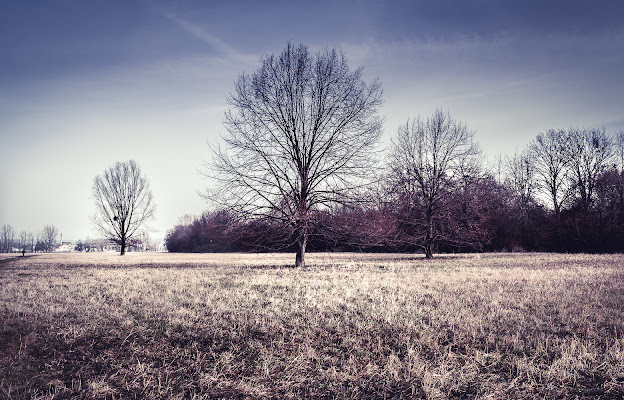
x=123, y=202
x=48, y=237
x=40, y=246
x=301, y=137
x=24, y=241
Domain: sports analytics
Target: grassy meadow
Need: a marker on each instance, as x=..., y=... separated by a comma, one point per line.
x=203, y=326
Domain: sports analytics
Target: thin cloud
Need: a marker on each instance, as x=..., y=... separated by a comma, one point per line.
x=199, y=33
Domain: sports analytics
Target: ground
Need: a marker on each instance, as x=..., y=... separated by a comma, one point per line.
x=168, y=326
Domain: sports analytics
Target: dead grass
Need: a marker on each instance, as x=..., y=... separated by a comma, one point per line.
x=172, y=326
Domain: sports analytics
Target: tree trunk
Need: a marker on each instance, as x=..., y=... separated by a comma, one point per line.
x=301, y=247
x=428, y=251
x=429, y=237
x=123, y=247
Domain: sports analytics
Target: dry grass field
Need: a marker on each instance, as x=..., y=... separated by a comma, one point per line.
x=172, y=326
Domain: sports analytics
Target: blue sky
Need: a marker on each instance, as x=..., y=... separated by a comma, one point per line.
x=84, y=84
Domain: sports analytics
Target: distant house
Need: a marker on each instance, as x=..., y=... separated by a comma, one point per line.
x=65, y=247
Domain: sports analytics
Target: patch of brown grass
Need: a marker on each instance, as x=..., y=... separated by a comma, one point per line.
x=349, y=326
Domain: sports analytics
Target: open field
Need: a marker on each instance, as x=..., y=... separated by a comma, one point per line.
x=158, y=326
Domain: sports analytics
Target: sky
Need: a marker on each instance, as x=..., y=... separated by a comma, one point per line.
x=84, y=84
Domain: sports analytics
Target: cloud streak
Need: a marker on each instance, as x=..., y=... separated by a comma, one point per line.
x=200, y=33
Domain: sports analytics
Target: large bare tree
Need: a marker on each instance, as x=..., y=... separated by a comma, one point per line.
x=431, y=161
x=300, y=136
x=123, y=202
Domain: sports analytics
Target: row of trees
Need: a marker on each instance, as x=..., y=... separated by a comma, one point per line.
x=469, y=207
x=299, y=170
x=574, y=179
x=45, y=241
x=25, y=241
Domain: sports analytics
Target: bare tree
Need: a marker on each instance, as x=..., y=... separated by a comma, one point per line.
x=498, y=168
x=619, y=151
x=24, y=241
x=588, y=153
x=552, y=167
x=571, y=161
x=521, y=176
x=123, y=202
x=301, y=136
x=7, y=237
x=31, y=241
x=430, y=161
x=48, y=236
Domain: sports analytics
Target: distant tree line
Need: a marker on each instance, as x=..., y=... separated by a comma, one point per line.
x=44, y=241
x=25, y=241
x=564, y=192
